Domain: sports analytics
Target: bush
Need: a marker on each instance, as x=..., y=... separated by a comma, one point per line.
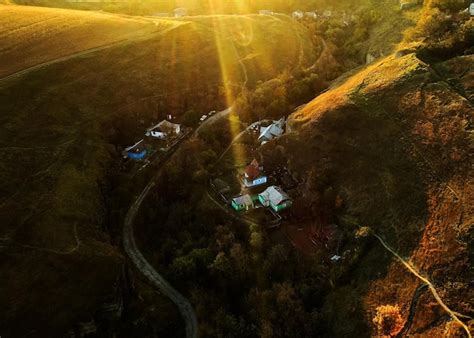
x=388, y=321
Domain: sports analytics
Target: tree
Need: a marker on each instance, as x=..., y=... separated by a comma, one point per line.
x=191, y=118
x=388, y=321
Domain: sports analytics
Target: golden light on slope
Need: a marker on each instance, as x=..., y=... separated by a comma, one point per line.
x=225, y=45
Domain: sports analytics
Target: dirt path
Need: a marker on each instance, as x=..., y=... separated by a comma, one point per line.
x=213, y=119
x=139, y=260
x=454, y=315
x=237, y=137
x=149, y=272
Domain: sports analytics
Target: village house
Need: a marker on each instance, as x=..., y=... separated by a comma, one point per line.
x=136, y=152
x=404, y=4
x=274, y=130
x=297, y=15
x=163, y=130
x=327, y=14
x=275, y=198
x=253, y=175
x=180, y=12
x=244, y=202
x=311, y=15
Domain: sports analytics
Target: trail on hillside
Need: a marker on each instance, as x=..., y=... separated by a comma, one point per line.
x=453, y=314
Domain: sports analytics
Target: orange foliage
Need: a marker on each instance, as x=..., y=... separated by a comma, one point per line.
x=388, y=321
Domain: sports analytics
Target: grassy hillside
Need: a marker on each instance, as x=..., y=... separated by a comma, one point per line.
x=393, y=143
x=33, y=35
x=59, y=125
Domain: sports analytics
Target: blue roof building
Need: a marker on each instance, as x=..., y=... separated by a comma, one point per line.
x=136, y=152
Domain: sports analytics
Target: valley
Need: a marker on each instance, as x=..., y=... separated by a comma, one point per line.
x=319, y=183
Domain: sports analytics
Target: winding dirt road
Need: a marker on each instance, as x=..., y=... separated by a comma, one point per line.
x=139, y=260
x=149, y=272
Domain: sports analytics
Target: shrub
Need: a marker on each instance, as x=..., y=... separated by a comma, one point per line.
x=388, y=321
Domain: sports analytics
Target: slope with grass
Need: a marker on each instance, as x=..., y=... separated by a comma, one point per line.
x=32, y=35
x=60, y=123
x=393, y=142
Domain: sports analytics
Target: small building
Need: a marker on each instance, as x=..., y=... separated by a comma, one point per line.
x=274, y=130
x=311, y=15
x=404, y=5
x=244, y=202
x=265, y=12
x=327, y=14
x=180, y=12
x=253, y=175
x=471, y=9
x=163, y=130
x=275, y=198
x=297, y=15
x=136, y=152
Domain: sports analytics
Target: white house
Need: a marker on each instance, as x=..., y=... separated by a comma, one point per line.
x=275, y=198
x=311, y=15
x=244, y=202
x=163, y=129
x=169, y=127
x=327, y=14
x=180, y=12
x=471, y=9
x=274, y=130
x=297, y=15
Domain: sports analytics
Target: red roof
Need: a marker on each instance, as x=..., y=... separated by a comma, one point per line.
x=253, y=170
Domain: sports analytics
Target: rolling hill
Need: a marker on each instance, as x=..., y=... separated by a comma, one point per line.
x=32, y=35
x=96, y=82
x=394, y=142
